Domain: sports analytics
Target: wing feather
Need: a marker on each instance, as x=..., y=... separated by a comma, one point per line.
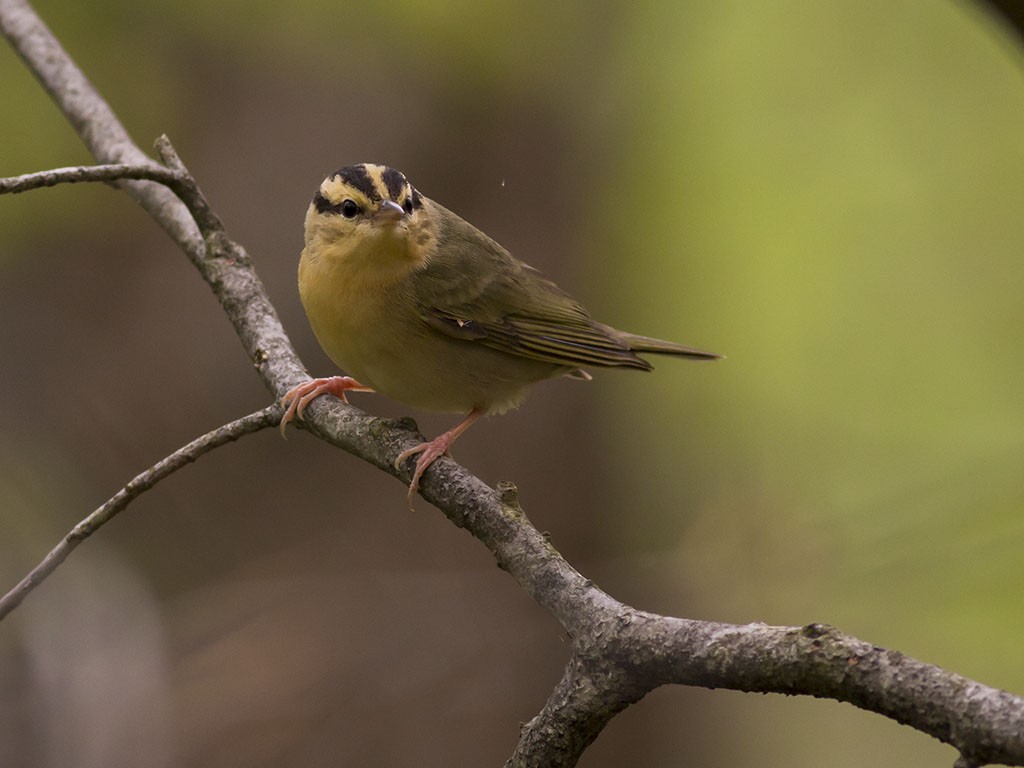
x=499, y=302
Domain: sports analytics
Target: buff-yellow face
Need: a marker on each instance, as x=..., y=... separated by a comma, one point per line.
x=362, y=200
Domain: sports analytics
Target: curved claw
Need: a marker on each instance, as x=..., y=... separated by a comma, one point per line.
x=429, y=453
x=296, y=399
x=432, y=451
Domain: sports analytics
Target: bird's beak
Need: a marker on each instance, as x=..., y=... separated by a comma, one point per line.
x=390, y=212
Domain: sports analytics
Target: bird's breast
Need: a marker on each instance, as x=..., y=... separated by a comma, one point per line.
x=375, y=332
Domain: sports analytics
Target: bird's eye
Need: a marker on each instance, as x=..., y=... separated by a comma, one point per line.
x=349, y=209
x=407, y=205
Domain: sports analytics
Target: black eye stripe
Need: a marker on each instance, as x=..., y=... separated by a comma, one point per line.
x=348, y=207
x=323, y=205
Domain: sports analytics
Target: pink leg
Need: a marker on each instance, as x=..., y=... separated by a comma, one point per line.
x=430, y=452
x=298, y=398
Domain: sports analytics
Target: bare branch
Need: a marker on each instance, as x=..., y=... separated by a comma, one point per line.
x=91, y=117
x=82, y=173
x=141, y=483
x=577, y=711
x=227, y=269
x=628, y=653
x=176, y=177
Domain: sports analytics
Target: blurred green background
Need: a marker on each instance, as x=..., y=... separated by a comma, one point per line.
x=830, y=194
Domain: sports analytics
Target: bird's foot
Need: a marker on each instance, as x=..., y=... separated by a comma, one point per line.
x=432, y=451
x=295, y=400
x=428, y=454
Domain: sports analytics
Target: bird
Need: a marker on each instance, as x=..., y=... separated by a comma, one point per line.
x=415, y=303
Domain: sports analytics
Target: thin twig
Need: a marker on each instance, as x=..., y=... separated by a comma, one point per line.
x=92, y=118
x=175, y=176
x=83, y=173
x=141, y=483
x=188, y=190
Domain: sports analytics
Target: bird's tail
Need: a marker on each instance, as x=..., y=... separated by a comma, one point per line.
x=647, y=344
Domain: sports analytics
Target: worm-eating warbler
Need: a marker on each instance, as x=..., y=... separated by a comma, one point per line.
x=425, y=308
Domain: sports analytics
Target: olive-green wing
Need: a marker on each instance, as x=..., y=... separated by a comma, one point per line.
x=474, y=290
x=562, y=342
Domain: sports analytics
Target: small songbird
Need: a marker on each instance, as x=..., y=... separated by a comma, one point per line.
x=423, y=307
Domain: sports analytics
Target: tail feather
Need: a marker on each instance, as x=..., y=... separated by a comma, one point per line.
x=647, y=344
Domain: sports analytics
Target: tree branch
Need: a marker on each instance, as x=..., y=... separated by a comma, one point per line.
x=628, y=653
x=618, y=653
x=81, y=173
x=141, y=483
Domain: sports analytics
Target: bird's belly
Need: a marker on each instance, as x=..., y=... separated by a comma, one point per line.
x=401, y=357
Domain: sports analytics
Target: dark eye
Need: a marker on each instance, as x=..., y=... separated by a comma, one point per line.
x=349, y=209
x=407, y=205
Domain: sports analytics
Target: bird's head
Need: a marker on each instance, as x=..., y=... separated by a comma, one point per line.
x=370, y=217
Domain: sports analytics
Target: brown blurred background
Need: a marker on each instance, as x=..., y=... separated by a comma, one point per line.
x=828, y=193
